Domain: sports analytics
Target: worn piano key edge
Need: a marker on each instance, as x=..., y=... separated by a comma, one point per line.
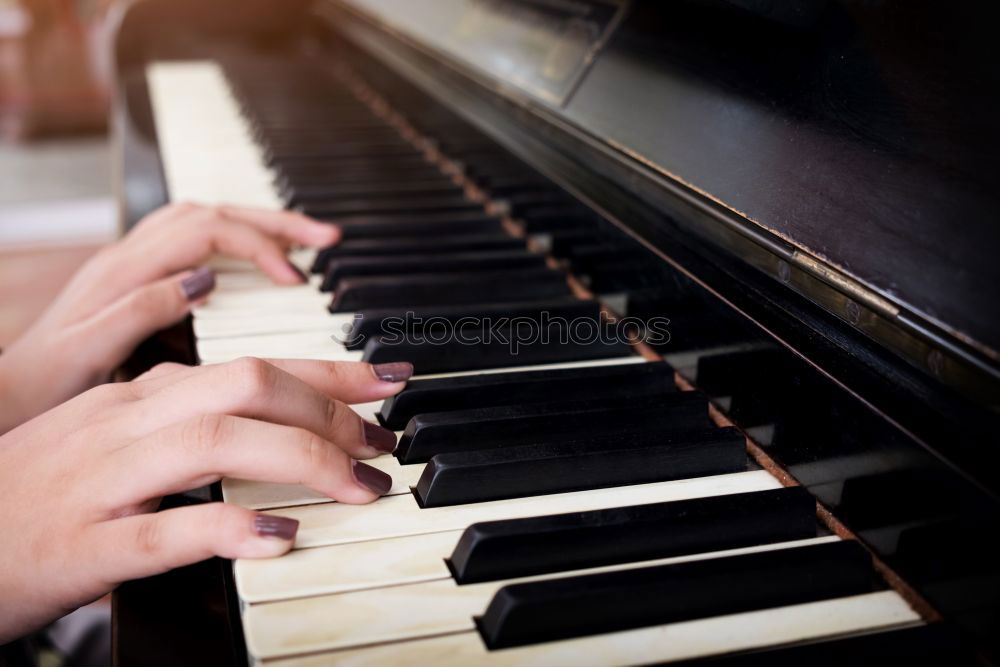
x=346, y=567
x=264, y=495
x=380, y=558
x=664, y=643
x=401, y=514
x=333, y=523
x=355, y=618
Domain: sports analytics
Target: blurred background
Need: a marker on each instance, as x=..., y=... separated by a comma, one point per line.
x=56, y=203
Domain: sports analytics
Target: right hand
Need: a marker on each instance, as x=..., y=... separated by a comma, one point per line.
x=80, y=483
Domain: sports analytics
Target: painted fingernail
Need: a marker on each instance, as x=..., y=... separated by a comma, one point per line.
x=396, y=371
x=372, y=478
x=198, y=284
x=298, y=272
x=280, y=527
x=380, y=438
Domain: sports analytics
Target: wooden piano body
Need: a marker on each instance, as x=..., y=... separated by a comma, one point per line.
x=823, y=176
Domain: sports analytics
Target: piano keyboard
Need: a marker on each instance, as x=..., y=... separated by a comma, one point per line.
x=601, y=519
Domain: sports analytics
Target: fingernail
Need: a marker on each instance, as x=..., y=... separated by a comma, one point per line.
x=397, y=371
x=280, y=527
x=372, y=478
x=298, y=272
x=380, y=438
x=198, y=284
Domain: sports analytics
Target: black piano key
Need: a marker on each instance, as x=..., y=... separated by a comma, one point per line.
x=532, y=470
x=300, y=195
x=398, y=225
x=370, y=324
x=557, y=220
x=294, y=147
x=388, y=265
x=371, y=170
x=280, y=155
x=755, y=380
x=428, y=289
x=496, y=389
x=441, y=350
x=376, y=205
x=494, y=550
x=416, y=245
x=519, y=204
x=564, y=421
x=555, y=609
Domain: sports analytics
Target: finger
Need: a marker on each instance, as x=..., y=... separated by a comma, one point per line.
x=160, y=371
x=347, y=381
x=242, y=241
x=196, y=236
x=113, y=332
x=205, y=449
x=171, y=211
x=148, y=544
x=256, y=389
x=290, y=225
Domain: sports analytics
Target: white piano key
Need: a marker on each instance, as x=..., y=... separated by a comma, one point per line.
x=346, y=567
x=664, y=643
x=395, y=516
x=229, y=281
x=303, y=258
x=264, y=322
x=407, y=612
x=294, y=345
x=266, y=495
x=273, y=300
x=354, y=567
x=207, y=152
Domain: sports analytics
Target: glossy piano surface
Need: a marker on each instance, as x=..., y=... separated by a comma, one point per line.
x=863, y=134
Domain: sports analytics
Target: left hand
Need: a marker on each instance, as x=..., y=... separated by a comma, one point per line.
x=135, y=287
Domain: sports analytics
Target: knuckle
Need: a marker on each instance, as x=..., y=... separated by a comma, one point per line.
x=149, y=537
x=111, y=392
x=204, y=434
x=333, y=417
x=342, y=417
x=164, y=367
x=146, y=300
x=338, y=373
x=319, y=453
x=219, y=516
x=253, y=376
x=186, y=207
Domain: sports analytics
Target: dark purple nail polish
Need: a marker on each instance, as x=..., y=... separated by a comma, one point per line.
x=298, y=272
x=396, y=371
x=380, y=438
x=283, y=528
x=198, y=284
x=371, y=478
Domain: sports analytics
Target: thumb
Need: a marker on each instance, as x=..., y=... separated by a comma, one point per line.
x=146, y=544
x=113, y=332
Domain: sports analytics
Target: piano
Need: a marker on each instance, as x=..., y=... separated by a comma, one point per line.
x=701, y=298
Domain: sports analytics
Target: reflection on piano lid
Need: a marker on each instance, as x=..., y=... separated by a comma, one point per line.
x=570, y=504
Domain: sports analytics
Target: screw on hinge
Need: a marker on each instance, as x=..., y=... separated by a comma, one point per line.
x=935, y=362
x=853, y=312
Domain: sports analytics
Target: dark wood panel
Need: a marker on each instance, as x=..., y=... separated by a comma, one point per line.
x=867, y=134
